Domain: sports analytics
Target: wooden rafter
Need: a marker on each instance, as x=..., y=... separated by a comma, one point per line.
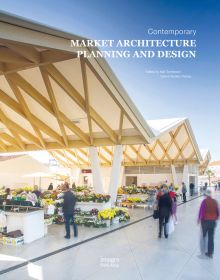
x=29, y=53
x=2, y=145
x=58, y=159
x=16, y=57
x=76, y=96
x=11, y=103
x=38, y=97
x=54, y=104
x=192, y=155
x=8, y=138
x=86, y=93
x=182, y=149
x=137, y=152
x=151, y=152
x=76, y=154
x=164, y=150
x=12, y=127
x=26, y=110
x=8, y=56
x=69, y=161
x=105, y=86
x=127, y=156
x=102, y=157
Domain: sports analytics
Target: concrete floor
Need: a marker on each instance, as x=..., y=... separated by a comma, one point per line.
x=133, y=253
x=54, y=241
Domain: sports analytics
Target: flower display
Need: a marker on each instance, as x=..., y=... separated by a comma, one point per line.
x=136, y=190
x=107, y=214
x=46, y=202
x=100, y=198
x=23, y=189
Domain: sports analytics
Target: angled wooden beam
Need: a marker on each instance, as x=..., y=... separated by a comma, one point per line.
x=102, y=157
x=68, y=159
x=164, y=151
x=137, y=152
x=184, y=125
x=26, y=110
x=176, y=144
x=54, y=104
x=182, y=149
x=2, y=145
x=12, y=129
x=76, y=154
x=17, y=129
x=8, y=138
x=107, y=151
x=31, y=91
x=192, y=155
x=103, y=83
x=30, y=53
x=86, y=93
x=11, y=103
x=52, y=56
x=9, y=56
x=58, y=159
x=127, y=156
x=76, y=96
x=150, y=151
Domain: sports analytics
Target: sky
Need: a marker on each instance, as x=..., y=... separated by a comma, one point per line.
x=197, y=98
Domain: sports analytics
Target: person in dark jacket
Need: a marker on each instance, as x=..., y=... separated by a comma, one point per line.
x=165, y=210
x=69, y=201
x=50, y=188
x=191, y=187
x=184, y=191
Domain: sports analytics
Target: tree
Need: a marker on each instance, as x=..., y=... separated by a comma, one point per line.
x=209, y=173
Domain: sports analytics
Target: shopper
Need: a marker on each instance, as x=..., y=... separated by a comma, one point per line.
x=160, y=192
x=208, y=215
x=184, y=191
x=69, y=201
x=191, y=188
x=37, y=191
x=173, y=197
x=50, y=188
x=8, y=195
x=165, y=210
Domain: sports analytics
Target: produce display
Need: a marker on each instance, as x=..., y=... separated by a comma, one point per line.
x=94, y=217
x=137, y=190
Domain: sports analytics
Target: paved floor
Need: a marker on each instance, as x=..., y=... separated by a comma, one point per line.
x=132, y=253
x=11, y=256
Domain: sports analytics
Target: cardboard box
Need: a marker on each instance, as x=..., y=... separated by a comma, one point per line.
x=12, y=241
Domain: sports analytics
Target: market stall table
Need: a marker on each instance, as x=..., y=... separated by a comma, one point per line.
x=31, y=223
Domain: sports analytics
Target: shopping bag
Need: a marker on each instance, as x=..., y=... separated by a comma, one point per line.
x=203, y=243
x=170, y=225
x=156, y=214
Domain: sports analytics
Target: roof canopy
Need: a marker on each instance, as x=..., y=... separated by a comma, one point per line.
x=173, y=144
x=50, y=99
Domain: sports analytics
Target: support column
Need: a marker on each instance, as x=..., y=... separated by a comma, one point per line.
x=186, y=176
x=115, y=172
x=173, y=170
x=75, y=173
x=96, y=170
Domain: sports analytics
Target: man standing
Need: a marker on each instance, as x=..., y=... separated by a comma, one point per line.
x=208, y=214
x=191, y=187
x=69, y=201
x=184, y=191
x=165, y=210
